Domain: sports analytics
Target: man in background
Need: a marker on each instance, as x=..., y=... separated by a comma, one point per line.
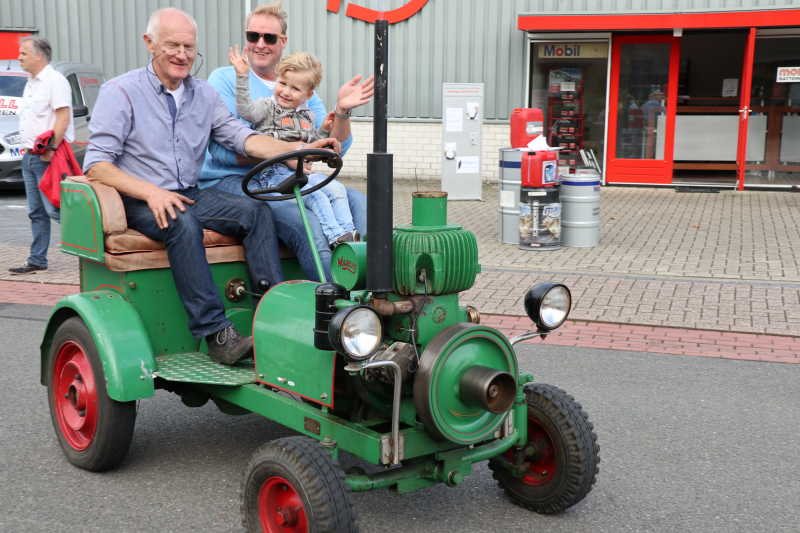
x=46, y=105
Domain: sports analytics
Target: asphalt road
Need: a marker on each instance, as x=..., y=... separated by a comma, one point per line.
x=688, y=444
x=16, y=229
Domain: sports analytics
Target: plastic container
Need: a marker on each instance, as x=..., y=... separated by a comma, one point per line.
x=580, y=217
x=526, y=125
x=539, y=219
x=508, y=205
x=539, y=169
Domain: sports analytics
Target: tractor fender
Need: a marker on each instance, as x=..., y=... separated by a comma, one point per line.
x=120, y=337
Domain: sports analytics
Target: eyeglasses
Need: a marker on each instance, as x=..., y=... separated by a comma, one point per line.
x=173, y=49
x=269, y=38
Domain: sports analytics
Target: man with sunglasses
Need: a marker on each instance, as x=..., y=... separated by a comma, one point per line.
x=265, y=41
x=149, y=133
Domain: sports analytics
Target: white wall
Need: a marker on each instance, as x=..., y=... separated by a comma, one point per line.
x=419, y=144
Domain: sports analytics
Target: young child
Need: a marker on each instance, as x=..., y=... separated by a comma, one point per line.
x=286, y=116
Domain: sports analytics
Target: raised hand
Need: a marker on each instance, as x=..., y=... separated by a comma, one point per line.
x=239, y=62
x=354, y=94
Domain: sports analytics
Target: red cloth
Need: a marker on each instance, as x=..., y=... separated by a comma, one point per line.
x=62, y=165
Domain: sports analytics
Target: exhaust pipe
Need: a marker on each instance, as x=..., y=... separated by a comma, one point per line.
x=488, y=389
x=380, y=219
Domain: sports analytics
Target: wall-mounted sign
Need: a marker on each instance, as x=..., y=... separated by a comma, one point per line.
x=370, y=15
x=730, y=87
x=573, y=50
x=788, y=74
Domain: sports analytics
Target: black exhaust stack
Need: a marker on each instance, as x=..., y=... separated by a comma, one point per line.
x=380, y=219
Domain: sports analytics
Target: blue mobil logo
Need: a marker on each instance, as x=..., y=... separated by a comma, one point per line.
x=552, y=210
x=16, y=152
x=561, y=50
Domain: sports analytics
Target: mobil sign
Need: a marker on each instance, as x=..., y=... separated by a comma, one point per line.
x=580, y=50
x=788, y=74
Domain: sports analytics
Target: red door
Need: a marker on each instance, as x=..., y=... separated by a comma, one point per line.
x=642, y=102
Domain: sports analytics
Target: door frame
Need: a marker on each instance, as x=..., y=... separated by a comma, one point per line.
x=642, y=171
x=744, y=108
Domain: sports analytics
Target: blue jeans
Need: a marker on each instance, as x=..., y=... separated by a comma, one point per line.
x=290, y=225
x=224, y=213
x=40, y=210
x=328, y=203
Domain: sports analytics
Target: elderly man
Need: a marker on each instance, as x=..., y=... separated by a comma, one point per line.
x=224, y=170
x=46, y=105
x=149, y=133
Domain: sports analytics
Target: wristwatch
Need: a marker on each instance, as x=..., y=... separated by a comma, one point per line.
x=346, y=115
x=52, y=147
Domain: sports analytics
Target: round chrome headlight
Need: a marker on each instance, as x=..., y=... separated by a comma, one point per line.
x=548, y=305
x=356, y=332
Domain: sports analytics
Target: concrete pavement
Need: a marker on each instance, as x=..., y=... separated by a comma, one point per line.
x=714, y=262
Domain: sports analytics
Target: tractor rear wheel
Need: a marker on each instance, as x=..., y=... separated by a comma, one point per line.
x=293, y=484
x=564, y=466
x=93, y=430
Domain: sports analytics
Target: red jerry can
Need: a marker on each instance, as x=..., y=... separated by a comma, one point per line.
x=539, y=169
x=526, y=125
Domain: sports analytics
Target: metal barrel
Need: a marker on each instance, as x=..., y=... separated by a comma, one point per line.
x=580, y=216
x=539, y=218
x=508, y=206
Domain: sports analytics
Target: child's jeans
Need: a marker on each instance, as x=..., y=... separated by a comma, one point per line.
x=328, y=203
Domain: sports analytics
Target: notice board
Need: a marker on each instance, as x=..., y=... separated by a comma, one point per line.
x=462, y=140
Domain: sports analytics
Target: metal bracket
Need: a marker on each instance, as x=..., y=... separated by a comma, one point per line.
x=387, y=452
x=543, y=333
x=507, y=427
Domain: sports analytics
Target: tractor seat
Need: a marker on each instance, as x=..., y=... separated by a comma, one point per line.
x=128, y=250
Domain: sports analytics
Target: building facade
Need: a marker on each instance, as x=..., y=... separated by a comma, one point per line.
x=652, y=88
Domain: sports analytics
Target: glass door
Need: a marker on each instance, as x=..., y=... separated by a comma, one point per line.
x=642, y=104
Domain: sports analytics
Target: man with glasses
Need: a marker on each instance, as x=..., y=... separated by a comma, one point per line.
x=265, y=33
x=149, y=133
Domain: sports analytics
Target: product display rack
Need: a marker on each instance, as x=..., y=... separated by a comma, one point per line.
x=565, y=113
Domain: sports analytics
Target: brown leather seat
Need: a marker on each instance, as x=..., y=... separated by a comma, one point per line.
x=127, y=249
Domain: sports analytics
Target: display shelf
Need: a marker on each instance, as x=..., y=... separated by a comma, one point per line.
x=560, y=102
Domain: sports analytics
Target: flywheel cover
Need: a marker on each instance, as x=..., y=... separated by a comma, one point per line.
x=436, y=383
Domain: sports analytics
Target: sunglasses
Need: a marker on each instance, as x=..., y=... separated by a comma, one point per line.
x=269, y=38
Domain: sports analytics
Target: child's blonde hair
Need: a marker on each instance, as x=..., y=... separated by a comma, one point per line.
x=302, y=62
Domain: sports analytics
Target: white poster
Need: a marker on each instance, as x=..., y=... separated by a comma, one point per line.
x=567, y=86
x=730, y=87
x=454, y=119
x=788, y=74
x=468, y=165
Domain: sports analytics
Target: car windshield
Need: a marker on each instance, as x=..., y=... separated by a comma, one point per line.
x=12, y=85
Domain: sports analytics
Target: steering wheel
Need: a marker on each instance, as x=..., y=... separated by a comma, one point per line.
x=298, y=178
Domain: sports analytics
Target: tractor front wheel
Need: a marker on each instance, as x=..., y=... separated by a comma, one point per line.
x=294, y=485
x=93, y=430
x=563, y=466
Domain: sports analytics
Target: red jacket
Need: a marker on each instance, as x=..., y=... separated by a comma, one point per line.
x=63, y=164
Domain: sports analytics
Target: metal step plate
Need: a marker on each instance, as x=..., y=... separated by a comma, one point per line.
x=196, y=367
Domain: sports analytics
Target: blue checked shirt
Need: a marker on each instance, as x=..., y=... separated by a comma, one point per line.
x=133, y=128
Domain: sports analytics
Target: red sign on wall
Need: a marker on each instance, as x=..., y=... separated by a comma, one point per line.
x=9, y=44
x=370, y=15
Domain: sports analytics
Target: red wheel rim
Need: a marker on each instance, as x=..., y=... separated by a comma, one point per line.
x=280, y=508
x=75, y=395
x=543, y=466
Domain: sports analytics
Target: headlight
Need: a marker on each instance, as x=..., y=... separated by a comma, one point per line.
x=356, y=332
x=13, y=138
x=548, y=305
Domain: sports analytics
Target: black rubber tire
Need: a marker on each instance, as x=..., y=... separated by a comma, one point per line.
x=576, y=453
x=115, y=420
x=312, y=472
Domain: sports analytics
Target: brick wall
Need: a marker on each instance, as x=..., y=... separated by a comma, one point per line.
x=419, y=144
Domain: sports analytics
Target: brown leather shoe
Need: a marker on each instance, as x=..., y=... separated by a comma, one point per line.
x=228, y=346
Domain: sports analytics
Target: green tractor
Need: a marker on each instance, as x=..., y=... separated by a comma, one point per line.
x=383, y=363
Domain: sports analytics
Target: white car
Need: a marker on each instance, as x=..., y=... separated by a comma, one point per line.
x=85, y=81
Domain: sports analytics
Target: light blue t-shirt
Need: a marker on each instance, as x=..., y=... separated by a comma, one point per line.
x=220, y=162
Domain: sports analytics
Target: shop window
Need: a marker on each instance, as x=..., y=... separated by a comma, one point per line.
x=568, y=83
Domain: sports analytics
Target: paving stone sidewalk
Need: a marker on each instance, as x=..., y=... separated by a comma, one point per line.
x=685, y=260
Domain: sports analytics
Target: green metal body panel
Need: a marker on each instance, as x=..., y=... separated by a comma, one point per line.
x=120, y=336
x=81, y=222
x=349, y=265
x=428, y=210
x=283, y=338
